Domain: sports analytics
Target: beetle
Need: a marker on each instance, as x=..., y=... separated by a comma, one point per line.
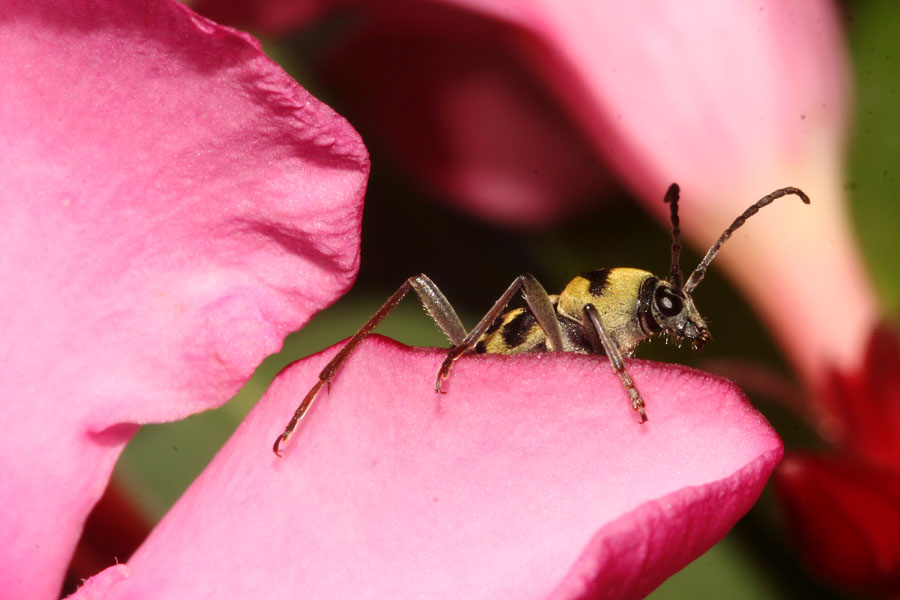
x=607, y=311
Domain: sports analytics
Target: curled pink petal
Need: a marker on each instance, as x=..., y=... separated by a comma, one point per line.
x=530, y=478
x=172, y=204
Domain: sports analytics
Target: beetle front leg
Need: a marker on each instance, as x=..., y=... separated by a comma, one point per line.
x=593, y=326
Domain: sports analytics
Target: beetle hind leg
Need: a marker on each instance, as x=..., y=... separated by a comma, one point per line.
x=437, y=306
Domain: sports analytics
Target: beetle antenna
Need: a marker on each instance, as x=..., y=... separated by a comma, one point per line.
x=675, y=276
x=697, y=276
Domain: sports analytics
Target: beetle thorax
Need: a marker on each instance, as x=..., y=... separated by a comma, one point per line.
x=615, y=293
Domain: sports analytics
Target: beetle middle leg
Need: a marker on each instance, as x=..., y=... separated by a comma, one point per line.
x=596, y=333
x=538, y=301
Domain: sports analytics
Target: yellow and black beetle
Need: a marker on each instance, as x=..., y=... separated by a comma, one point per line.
x=606, y=311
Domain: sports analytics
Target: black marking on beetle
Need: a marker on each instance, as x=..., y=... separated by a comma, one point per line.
x=497, y=324
x=574, y=332
x=598, y=279
x=515, y=332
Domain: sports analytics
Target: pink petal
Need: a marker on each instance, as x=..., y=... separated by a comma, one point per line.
x=99, y=585
x=530, y=478
x=173, y=204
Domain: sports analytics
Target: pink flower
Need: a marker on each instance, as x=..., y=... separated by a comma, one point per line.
x=172, y=205
x=530, y=478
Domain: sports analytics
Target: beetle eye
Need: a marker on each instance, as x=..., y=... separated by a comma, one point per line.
x=668, y=303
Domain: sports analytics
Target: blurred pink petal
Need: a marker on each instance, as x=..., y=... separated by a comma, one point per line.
x=442, y=90
x=172, y=205
x=845, y=516
x=530, y=478
x=731, y=100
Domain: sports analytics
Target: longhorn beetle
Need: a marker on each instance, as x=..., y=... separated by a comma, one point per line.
x=607, y=311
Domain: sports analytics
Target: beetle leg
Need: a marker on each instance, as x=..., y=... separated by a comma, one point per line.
x=538, y=301
x=438, y=308
x=593, y=326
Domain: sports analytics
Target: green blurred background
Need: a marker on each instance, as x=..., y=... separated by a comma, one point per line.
x=755, y=560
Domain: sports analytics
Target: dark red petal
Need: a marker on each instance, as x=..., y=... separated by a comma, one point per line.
x=863, y=407
x=846, y=517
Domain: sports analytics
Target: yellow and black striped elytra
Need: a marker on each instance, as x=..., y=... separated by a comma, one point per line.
x=606, y=312
x=518, y=331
